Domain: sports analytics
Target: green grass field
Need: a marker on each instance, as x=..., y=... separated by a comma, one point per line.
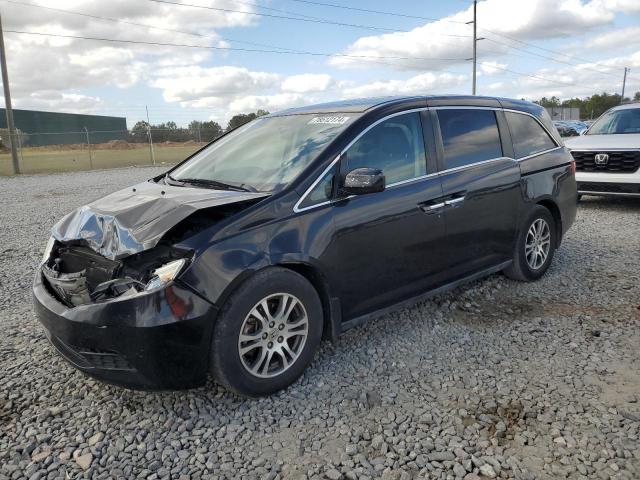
x=44, y=161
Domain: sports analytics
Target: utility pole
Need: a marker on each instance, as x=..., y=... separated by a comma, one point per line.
x=153, y=157
x=624, y=83
x=86, y=130
x=475, y=45
x=7, y=103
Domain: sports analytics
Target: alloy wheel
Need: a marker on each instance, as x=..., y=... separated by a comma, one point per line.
x=538, y=243
x=273, y=335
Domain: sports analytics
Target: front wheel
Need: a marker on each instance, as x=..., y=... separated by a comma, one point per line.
x=266, y=333
x=535, y=246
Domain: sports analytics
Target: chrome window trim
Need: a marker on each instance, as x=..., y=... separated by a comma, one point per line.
x=553, y=139
x=473, y=107
x=482, y=162
x=410, y=180
x=379, y=121
x=298, y=209
x=539, y=153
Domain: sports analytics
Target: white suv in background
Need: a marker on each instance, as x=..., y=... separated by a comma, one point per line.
x=608, y=154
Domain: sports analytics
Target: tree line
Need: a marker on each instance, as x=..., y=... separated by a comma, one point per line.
x=590, y=107
x=196, y=130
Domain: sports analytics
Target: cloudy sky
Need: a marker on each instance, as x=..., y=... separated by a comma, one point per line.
x=210, y=59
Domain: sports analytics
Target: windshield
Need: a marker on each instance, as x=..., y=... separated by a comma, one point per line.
x=266, y=154
x=617, y=122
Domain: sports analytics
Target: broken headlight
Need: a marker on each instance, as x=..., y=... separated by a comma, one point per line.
x=164, y=274
x=47, y=250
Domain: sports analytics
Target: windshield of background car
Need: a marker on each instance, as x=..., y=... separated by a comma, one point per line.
x=267, y=153
x=617, y=122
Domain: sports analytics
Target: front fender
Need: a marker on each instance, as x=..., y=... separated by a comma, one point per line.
x=222, y=266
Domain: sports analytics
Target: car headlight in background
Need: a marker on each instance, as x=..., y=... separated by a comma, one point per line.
x=164, y=274
x=47, y=250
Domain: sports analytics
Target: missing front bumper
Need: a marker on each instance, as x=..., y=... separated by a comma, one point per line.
x=160, y=340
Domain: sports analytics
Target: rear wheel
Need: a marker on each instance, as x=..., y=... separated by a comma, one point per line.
x=266, y=333
x=535, y=246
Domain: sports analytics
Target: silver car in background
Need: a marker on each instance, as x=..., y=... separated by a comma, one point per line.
x=608, y=154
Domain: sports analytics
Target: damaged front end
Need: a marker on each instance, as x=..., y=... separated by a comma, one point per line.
x=108, y=291
x=76, y=275
x=123, y=245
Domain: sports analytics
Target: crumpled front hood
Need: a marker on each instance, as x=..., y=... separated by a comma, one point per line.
x=629, y=141
x=136, y=218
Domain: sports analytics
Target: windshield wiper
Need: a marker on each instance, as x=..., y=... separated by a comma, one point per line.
x=204, y=182
x=169, y=180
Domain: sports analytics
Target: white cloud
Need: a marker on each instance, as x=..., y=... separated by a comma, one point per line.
x=626, y=6
x=578, y=81
x=56, y=73
x=54, y=100
x=41, y=63
x=615, y=39
x=440, y=44
x=199, y=86
x=492, y=67
x=272, y=103
x=307, y=82
x=423, y=84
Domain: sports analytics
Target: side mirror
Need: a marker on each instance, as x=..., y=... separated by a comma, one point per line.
x=363, y=180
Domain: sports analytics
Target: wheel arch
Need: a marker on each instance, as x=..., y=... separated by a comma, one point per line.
x=553, y=208
x=331, y=312
x=331, y=325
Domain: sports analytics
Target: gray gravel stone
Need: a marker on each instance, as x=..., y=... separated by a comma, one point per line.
x=480, y=379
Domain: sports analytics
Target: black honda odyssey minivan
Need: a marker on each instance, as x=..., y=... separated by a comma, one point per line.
x=297, y=226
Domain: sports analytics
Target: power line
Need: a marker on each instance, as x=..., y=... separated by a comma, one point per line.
x=419, y=17
x=531, y=75
x=144, y=25
x=368, y=10
x=285, y=17
x=284, y=49
x=154, y=27
x=235, y=49
x=271, y=9
x=364, y=57
x=549, y=58
x=542, y=48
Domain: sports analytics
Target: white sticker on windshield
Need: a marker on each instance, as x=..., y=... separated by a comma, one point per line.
x=329, y=120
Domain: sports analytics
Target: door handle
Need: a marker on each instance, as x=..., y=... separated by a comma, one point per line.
x=432, y=207
x=454, y=201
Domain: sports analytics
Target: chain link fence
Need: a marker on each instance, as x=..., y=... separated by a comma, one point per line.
x=40, y=152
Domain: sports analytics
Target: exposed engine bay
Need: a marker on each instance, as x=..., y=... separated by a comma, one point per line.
x=123, y=244
x=78, y=276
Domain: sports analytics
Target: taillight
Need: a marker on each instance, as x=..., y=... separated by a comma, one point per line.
x=573, y=166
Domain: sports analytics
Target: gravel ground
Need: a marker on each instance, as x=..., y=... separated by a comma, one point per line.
x=499, y=379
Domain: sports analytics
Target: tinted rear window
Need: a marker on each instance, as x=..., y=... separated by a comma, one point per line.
x=527, y=135
x=469, y=136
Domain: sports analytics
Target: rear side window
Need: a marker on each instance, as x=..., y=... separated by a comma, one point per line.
x=469, y=136
x=528, y=136
x=395, y=146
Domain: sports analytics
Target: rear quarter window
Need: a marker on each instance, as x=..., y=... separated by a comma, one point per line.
x=527, y=135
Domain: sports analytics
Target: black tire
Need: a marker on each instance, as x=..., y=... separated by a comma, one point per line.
x=521, y=269
x=579, y=198
x=227, y=366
